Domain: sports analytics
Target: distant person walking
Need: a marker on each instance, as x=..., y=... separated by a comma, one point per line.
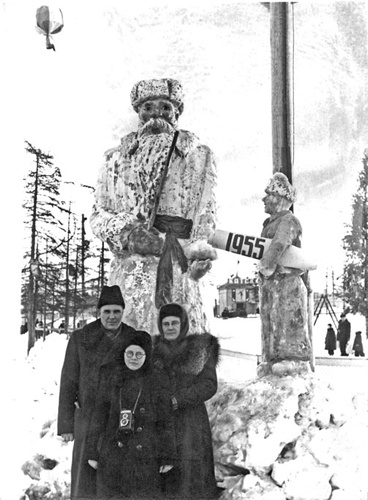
x=358, y=345
x=330, y=340
x=343, y=333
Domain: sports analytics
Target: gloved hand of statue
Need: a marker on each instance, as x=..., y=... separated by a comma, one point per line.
x=198, y=268
x=199, y=255
x=145, y=241
x=266, y=269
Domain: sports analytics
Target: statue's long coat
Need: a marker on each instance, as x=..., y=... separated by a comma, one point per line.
x=126, y=190
x=188, y=372
x=88, y=350
x=283, y=296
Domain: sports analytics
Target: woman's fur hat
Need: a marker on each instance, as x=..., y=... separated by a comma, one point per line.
x=177, y=311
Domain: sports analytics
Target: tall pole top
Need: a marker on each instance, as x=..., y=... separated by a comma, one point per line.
x=282, y=79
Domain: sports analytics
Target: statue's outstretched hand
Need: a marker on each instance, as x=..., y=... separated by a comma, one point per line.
x=145, y=241
x=198, y=268
x=266, y=269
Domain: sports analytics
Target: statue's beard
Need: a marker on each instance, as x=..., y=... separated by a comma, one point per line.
x=156, y=126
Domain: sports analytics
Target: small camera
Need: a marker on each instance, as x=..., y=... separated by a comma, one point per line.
x=126, y=421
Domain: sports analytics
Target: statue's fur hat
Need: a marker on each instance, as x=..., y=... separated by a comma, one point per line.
x=166, y=88
x=280, y=185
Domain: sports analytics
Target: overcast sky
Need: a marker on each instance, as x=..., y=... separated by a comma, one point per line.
x=74, y=103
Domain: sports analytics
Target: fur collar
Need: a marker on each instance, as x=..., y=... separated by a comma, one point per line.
x=188, y=356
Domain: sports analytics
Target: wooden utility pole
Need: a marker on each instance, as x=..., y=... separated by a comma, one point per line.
x=282, y=79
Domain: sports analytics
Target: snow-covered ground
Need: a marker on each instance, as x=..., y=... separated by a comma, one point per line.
x=243, y=335
x=29, y=392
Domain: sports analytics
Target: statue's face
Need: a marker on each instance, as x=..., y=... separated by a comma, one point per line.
x=158, y=108
x=274, y=203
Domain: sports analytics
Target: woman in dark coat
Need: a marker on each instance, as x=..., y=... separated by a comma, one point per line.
x=358, y=345
x=128, y=455
x=330, y=340
x=186, y=366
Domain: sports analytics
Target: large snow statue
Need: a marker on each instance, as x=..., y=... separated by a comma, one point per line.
x=155, y=208
x=283, y=294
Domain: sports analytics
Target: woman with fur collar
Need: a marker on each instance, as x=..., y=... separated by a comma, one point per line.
x=186, y=367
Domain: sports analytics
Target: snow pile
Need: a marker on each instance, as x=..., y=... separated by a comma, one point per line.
x=37, y=462
x=290, y=438
x=48, y=469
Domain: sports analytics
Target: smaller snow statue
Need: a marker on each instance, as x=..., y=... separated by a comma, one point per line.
x=283, y=294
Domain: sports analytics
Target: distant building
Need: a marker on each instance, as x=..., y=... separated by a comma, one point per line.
x=238, y=297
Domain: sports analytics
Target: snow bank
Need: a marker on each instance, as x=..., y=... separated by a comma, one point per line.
x=289, y=438
x=29, y=395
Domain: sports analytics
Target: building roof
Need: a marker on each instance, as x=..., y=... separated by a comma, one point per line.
x=237, y=282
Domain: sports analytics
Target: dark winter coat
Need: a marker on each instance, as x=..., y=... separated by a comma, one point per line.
x=330, y=341
x=128, y=462
x=187, y=371
x=88, y=349
x=358, y=345
x=343, y=332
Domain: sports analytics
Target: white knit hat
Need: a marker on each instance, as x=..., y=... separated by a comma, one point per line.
x=279, y=184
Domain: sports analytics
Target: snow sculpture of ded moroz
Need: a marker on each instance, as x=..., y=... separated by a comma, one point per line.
x=155, y=208
x=283, y=294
